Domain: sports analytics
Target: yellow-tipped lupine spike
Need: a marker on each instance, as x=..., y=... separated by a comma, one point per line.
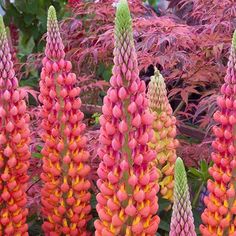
x=164, y=142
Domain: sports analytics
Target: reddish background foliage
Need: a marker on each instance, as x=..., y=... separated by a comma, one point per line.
x=188, y=42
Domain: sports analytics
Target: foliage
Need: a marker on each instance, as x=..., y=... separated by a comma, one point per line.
x=27, y=24
x=198, y=179
x=193, y=72
x=30, y=18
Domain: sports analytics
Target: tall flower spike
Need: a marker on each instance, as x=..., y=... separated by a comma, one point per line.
x=64, y=196
x=163, y=142
x=182, y=222
x=54, y=47
x=127, y=202
x=14, y=146
x=219, y=216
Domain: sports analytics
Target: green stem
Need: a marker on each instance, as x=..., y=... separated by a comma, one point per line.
x=178, y=108
x=126, y=149
x=196, y=197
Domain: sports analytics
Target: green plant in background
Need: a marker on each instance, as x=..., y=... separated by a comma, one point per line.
x=95, y=118
x=153, y=3
x=28, y=23
x=199, y=178
x=30, y=18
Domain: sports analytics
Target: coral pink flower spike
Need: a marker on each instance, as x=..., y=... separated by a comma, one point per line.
x=219, y=216
x=14, y=146
x=65, y=197
x=127, y=202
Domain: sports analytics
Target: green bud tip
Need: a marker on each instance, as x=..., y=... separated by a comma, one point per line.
x=2, y=29
x=157, y=77
x=123, y=18
x=181, y=184
x=179, y=165
x=234, y=40
x=52, y=15
x=156, y=71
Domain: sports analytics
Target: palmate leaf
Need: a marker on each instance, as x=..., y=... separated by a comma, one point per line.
x=199, y=57
x=195, y=173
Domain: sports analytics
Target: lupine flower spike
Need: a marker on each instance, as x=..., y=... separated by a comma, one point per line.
x=163, y=142
x=127, y=202
x=182, y=222
x=14, y=146
x=65, y=197
x=219, y=216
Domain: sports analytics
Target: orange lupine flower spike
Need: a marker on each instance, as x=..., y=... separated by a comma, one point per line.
x=219, y=216
x=14, y=146
x=65, y=197
x=127, y=202
x=163, y=142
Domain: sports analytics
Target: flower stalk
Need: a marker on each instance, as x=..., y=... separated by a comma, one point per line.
x=163, y=142
x=219, y=215
x=182, y=222
x=14, y=146
x=127, y=202
x=65, y=197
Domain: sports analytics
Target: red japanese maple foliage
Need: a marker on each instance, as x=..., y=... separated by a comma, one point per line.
x=188, y=42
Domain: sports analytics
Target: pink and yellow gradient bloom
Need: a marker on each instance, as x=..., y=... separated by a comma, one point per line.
x=127, y=202
x=219, y=216
x=163, y=142
x=14, y=146
x=65, y=196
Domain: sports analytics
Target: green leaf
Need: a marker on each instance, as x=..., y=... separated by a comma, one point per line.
x=31, y=82
x=20, y=5
x=32, y=218
x=163, y=204
x=39, y=148
x=164, y=225
x=28, y=19
x=26, y=44
x=32, y=7
x=35, y=228
x=197, y=220
x=37, y=155
x=195, y=172
x=204, y=166
x=93, y=201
